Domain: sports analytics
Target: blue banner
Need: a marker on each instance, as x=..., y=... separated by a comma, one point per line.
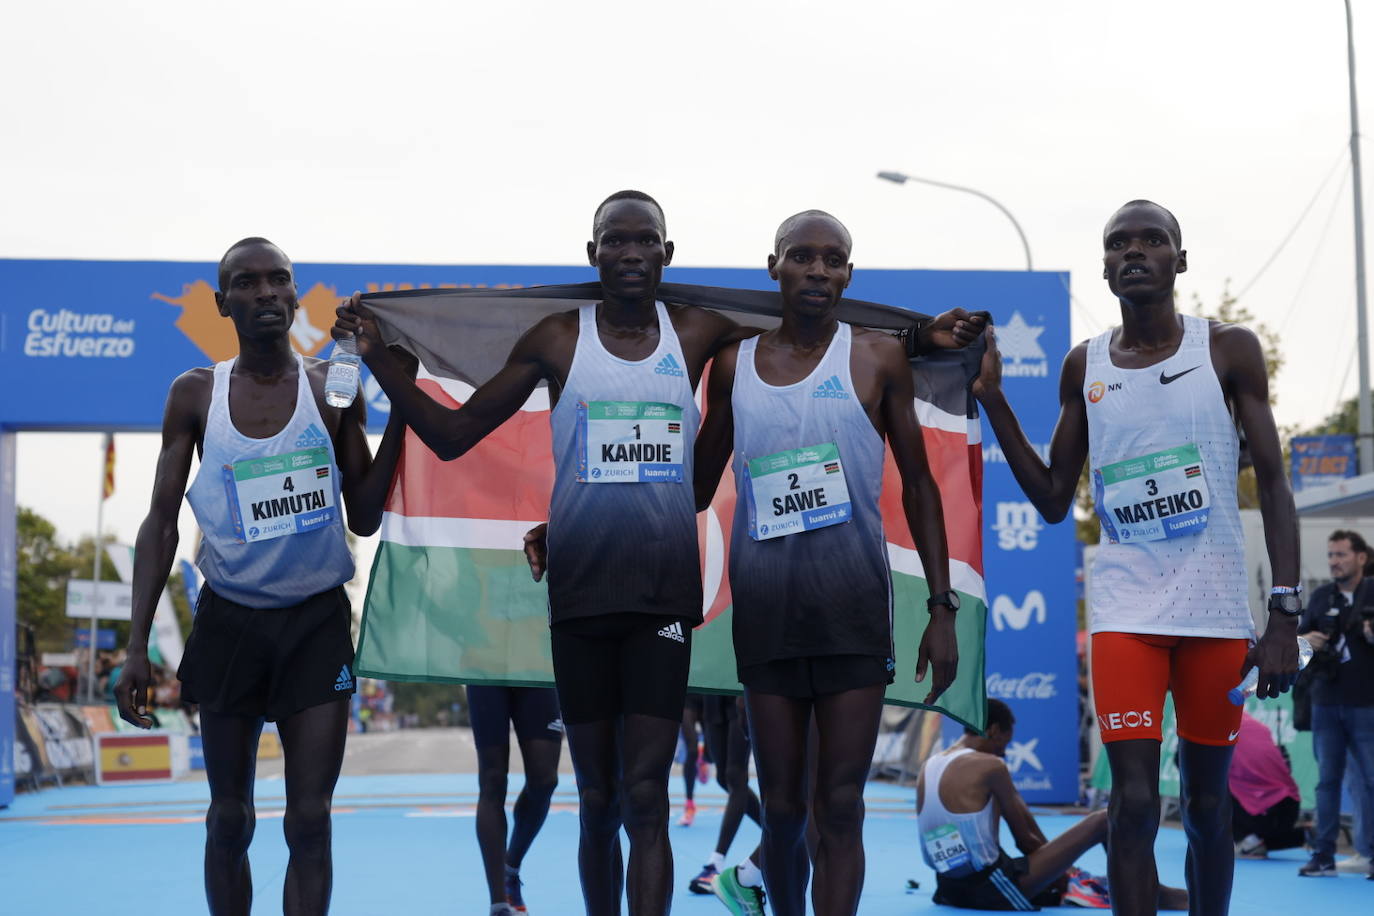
x=95, y=345
x=104, y=638
x=1321, y=460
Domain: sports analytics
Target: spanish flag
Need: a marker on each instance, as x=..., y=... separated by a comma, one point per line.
x=133, y=758
x=108, y=490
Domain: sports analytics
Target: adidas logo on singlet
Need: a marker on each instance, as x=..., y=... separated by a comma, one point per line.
x=345, y=680
x=673, y=631
x=669, y=366
x=312, y=438
x=831, y=388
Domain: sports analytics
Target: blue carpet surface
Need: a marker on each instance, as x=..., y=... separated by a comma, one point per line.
x=405, y=845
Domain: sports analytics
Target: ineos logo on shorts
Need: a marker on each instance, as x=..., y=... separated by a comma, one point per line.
x=1114, y=721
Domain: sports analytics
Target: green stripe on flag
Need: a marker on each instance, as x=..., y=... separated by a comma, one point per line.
x=474, y=616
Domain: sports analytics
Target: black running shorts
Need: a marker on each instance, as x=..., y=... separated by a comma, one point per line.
x=816, y=676
x=993, y=888
x=268, y=662
x=621, y=664
x=533, y=711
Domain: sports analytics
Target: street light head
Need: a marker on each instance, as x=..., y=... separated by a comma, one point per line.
x=894, y=177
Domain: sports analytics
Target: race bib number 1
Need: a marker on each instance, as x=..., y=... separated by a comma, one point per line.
x=796, y=490
x=281, y=494
x=946, y=848
x=1153, y=498
x=629, y=442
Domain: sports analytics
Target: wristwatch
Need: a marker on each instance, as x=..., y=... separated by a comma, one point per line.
x=949, y=599
x=1287, y=601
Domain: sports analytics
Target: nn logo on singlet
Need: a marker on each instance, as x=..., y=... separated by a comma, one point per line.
x=669, y=366
x=311, y=438
x=831, y=388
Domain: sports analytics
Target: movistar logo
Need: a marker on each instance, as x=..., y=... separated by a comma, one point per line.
x=669, y=366
x=312, y=437
x=831, y=388
x=345, y=679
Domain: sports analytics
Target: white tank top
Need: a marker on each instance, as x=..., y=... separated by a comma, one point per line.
x=976, y=830
x=622, y=517
x=242, y=555
x=1164, y=455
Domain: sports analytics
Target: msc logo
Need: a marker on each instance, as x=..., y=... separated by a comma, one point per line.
x=1098, y=390
x=1018, y=526
x=1112, y=721
x=201, y=321
x=1008, y=614
x=1019, y=344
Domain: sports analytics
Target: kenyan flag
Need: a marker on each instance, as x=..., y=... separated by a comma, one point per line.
x=451, y=598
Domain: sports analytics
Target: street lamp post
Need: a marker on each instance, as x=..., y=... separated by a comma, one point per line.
x=903, y=178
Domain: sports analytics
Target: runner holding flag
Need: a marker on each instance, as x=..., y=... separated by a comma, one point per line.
x=805, y=408
x=1153, y=405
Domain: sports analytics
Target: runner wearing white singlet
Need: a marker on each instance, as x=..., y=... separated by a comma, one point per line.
x=1152, y=404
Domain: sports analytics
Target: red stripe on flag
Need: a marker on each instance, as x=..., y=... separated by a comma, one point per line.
x=133, y=741
x=508, y=475
x=122, y=775
x=958, y=470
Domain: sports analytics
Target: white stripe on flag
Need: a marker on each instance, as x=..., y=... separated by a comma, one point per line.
x=434, y=531
x=962, y=577
x=461, y=391
x=935, y=418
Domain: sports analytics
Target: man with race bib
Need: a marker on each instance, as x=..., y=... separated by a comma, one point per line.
x=272, y=634
x=1153, y=405
x=805, y=409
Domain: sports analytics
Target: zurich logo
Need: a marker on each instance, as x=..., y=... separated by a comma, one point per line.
x=831, y=388
x=313, y=437
x=596, y=472
x=253, y=532
x=668, y=365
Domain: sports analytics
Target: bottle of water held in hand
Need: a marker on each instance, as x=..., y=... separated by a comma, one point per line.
x=1246, y=688
x=341, y=385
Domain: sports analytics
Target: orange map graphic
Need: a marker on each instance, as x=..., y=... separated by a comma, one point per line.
x=202, y=323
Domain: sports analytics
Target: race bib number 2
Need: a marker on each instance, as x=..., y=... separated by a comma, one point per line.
x=1155, y=497
x=280, y=494
x=796, y=490
x=629, y=442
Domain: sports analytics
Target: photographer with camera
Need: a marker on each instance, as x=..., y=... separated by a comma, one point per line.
x=1339, y=623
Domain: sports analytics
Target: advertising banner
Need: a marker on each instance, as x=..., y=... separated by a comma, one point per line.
x=1032, y=662
x=113, y=600
x=1321, y=460
x=104, y=638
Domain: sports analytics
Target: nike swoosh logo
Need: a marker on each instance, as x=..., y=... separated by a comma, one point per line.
x=1232, y=736
x=1166, y=379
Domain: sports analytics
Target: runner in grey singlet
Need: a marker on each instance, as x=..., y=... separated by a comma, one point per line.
x=826, y=591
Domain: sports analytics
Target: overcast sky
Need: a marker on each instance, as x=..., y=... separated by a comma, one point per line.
x=486, y=133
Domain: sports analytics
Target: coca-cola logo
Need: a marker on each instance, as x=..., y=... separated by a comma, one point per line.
x=1034, y=685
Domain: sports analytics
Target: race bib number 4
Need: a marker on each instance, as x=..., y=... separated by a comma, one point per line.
x=796, y=490
x=629, y=442
x=946, y=848
x=281, y=494
x=1153, y=498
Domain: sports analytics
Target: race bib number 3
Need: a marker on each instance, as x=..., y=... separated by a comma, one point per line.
x=946, y=848
x=796, y=490
x=1153, y=498
x=629, y=442
x=281, y=494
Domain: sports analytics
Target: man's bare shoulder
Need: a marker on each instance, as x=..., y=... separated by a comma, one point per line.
x=880, y=343
x=696, y=318
x=189, y=395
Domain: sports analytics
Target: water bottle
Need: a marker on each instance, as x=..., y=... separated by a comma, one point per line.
x=1246, y=688
x=341, y=385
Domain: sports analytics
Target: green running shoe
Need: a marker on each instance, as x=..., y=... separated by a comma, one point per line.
x=738, y=899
